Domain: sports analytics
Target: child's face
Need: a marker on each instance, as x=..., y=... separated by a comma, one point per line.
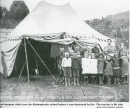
x=124, y=53
x=93, y=56
x=89, y=51
x=108, y=57
x=75, y=55
x=86, y=55
x=100, y=56
x=116, y=55
x=113, y=50
x=67, y=55
x=106, y=52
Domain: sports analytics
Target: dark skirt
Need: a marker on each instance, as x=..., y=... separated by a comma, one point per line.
x=117, y=72
x=67, y=72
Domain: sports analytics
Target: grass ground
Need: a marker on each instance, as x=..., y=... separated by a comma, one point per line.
x=43, y=89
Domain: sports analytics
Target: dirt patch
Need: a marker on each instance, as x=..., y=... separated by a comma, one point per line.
x=43, y=89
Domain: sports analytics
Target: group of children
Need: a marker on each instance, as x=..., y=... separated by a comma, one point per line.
x=90, y=68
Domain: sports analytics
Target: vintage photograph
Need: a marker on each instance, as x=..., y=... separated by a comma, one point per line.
x=64, y=51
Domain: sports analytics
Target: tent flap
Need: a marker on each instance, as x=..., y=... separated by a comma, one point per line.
x=8, y=58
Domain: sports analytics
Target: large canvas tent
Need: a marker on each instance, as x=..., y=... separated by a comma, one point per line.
x=47, y=23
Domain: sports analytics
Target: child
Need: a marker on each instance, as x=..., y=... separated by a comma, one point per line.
x=112, y=53
x=93, y=68
x=105, y=54
x=125, y=67
x=108, y=72
x=76, y=66
x=66, y=65
x=89, y=51
x=86, y=67
x=100, y=67
x=116, y=68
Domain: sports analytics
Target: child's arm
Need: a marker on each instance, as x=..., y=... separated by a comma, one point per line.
x=62, y=64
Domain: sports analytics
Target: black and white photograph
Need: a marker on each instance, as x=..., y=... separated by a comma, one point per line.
x=64, y=51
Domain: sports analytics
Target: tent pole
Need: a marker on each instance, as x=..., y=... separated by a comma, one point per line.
x=22, y=69
x=26, y=59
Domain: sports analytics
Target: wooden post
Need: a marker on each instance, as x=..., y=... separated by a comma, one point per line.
x=26, y=59
x=22, y=69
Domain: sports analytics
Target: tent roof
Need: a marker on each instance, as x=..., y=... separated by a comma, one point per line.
x=47, y=19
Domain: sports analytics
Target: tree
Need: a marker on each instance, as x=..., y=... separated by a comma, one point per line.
x=19, y=10
x=1, y=12
x=119, y=34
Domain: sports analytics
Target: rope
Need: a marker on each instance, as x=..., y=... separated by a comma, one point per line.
x=42, y=61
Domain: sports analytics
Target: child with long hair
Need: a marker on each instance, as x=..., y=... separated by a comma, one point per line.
x=125, y=67
x=116, y=68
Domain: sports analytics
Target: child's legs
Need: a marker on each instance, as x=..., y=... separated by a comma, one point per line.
x=77, y=76
x=108, y=79
x=95, y=78
x=66, y=80
x=123, y=79
x=69, y=74
x=85, y=78
x=100, y=76
x=62, y=75
x=80, y=75
x=117, y=79
x=92, y=79
x=65, y=75
x=74, y=76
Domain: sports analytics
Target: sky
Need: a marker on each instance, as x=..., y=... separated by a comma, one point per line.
x=86, y=9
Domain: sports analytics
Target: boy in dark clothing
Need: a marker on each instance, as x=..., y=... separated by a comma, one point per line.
x=76, y=66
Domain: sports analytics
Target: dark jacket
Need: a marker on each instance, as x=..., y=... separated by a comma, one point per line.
x=116, y=62
x=76, y=64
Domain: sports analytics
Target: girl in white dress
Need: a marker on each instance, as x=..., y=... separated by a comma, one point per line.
x=86, y=67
